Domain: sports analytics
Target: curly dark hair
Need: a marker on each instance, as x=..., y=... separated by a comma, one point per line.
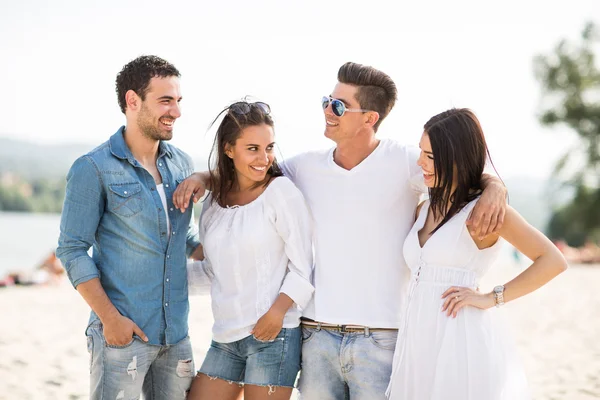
x=136, y=76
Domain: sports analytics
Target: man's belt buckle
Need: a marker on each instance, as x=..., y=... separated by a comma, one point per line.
x=354, y=329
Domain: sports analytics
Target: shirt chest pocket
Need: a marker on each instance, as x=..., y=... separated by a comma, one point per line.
x=125, y=199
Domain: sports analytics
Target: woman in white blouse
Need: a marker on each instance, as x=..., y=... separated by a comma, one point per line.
x=256, y=231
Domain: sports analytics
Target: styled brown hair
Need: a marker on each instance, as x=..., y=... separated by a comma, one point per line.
x=376, y=90
x=457, y=143
x=222, y=170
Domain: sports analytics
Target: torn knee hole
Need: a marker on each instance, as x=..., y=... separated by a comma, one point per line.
x=185, y=368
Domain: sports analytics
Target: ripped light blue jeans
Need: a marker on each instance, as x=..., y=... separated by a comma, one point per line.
x=346, y=366
x=127, y=372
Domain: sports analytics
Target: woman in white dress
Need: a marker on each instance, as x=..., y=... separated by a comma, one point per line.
x=449, y=345
x=255, y=229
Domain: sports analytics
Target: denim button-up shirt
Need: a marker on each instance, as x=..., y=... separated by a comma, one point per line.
x=112, y=205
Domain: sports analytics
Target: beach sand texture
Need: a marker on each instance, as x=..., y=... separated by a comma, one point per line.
x=43, y=347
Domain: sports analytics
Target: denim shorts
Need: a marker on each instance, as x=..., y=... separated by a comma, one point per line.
x=252, y=362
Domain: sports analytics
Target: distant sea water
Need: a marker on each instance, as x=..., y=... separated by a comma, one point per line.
x=26, y=239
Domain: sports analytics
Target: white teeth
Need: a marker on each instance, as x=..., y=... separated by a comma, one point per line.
x=258, y=168
x=330, y=123
x=168, y=122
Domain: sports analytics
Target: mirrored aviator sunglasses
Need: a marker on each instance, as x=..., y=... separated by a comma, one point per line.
x=243, y=108
x=338, y=107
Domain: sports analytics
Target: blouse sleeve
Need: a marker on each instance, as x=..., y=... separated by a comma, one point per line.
x=294, y=224
x=199, y=274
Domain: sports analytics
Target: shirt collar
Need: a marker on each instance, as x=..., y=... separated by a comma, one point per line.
x=119, y=148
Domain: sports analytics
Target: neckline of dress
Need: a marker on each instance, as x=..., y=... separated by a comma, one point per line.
x=425, y=211
x=427, y=204
x=464, y=209
x=260, y=196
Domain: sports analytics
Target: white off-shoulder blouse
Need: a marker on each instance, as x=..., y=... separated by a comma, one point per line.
x=252, y=253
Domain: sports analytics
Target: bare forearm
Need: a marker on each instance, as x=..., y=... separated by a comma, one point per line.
x=204, y=178
x=487, y=180
x=542, y=271
x=93, y=293
x=282, y=304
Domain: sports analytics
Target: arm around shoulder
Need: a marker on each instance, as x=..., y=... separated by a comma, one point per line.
x=488, y=215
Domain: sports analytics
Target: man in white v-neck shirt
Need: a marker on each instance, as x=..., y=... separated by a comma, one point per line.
x=362, y=194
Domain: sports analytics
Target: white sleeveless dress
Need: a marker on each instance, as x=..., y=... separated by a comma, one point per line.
x=439, y=357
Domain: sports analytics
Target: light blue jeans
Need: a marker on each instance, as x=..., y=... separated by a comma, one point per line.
x=159, y=372
x=346, y=366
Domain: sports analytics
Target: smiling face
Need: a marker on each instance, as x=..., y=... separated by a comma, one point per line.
x=160, y=108
x=348, y=125
x=252, y=154
x=425, y=161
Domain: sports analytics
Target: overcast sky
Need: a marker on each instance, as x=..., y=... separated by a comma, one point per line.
x=61, y=59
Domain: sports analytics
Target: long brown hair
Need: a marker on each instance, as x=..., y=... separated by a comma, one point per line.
x=222, y=170
x=457, y=143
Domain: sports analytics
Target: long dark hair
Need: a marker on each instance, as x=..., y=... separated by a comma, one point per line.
x=221, y=168
x=458, y=144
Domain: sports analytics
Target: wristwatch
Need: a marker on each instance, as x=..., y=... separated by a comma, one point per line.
x=499, y=295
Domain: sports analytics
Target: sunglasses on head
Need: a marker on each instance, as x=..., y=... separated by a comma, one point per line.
x=243, y=107
x=338, y=107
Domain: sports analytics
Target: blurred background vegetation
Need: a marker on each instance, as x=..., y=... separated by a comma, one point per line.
x=570, y=83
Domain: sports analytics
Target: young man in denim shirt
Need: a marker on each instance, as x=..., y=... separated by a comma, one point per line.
x=118, y=202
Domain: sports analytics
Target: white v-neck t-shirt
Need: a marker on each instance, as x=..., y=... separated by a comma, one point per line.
x=163, y=198
x=361, y=218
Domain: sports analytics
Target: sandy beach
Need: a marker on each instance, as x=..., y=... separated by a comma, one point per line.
x=43, y=347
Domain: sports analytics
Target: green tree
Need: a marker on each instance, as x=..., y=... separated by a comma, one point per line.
x=12, y=200
x=571, y=96
x=47, y=196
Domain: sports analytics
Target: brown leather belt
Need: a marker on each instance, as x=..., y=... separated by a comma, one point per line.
x=343, y=328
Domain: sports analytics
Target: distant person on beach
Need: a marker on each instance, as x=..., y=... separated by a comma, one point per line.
x=49, y=272
x=255, y=230
x=449, y=346
x=118, y=202
x=590, y=252
x=362, y=194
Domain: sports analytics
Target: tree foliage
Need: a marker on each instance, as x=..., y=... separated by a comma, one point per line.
x=571, y=97
x=41, y=196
